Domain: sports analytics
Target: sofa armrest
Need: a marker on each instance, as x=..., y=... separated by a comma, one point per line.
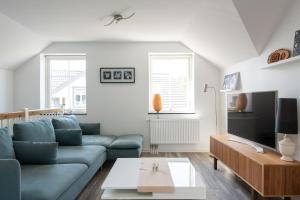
x=10, y=181
x=90, y=128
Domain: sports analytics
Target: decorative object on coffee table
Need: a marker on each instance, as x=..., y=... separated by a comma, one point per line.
x=157, y=104
x=296, y=49
x=155, y=166
x=117, y=75
x=279, y=54
x=152, y=179
x=287, y=123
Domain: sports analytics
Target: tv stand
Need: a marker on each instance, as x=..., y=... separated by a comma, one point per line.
x=256, y=147
x=266, y=174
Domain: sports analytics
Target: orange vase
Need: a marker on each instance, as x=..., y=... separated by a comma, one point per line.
x=241, y=102
x=157, y=105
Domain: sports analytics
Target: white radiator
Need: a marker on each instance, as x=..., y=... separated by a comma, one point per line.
x=175, y=131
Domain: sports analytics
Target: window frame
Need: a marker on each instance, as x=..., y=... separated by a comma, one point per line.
x=191, y=58
x=47, y=58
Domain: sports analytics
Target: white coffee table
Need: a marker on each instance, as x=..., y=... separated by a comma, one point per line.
x=122, y=181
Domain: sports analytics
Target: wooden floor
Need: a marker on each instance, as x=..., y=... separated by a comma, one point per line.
x=221, y=184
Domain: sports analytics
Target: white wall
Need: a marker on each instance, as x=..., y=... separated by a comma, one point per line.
x=6, y=90
x=27, y=85
x=285, y=79
x=121, y=108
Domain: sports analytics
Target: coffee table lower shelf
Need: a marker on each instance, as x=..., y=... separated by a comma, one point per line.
x=133, y=194
x=122, y=181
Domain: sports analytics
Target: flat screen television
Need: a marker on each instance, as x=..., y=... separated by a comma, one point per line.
x=252, y=116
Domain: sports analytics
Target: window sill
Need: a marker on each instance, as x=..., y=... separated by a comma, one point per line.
x=75, y=113
x=172, y=113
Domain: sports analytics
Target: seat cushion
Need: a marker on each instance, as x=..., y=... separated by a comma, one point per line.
x=103, y=140
x=48, y=182
x=90, y=128
x=35, y=131
x=35, y=152
x=6, y=145
x=79, y=154
x=133, y=141
x=68, y=122
x=68, y=137
x=113, y=154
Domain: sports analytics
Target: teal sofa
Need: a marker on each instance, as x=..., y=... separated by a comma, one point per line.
x=74, y=166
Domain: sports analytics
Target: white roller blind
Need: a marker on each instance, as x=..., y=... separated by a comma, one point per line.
x=171, y=76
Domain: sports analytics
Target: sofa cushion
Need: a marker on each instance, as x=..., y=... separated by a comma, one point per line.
x=6, y=145
x=90, y=128
x=132, y=141
x=104, y=140
x=68, y=137
x=68, y=122
x=113, y=154
x=35, y=152
x=35, y=131
x=79, y=154
x=48, y=182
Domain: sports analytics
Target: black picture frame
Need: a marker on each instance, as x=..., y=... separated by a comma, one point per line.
x=117, y=75
x=296, y=49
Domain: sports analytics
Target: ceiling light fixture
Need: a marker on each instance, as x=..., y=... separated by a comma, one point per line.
x=116, y=18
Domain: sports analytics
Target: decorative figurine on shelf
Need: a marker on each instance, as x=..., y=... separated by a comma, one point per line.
x=279, y=54
x=157, y=105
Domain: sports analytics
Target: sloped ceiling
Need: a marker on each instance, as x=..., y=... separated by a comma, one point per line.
x=261, y=18
x=222, y=31
x=17, y=43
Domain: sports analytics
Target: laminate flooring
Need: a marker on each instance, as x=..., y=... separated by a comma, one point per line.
x=221, y=184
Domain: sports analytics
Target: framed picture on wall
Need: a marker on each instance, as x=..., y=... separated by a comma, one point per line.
x=117, y=75
x=231, y=81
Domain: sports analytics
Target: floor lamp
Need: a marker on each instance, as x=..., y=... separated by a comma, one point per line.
x=206, y=87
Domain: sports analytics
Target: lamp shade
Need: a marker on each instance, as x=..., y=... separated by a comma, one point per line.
x=287, y=117
x=157, y=105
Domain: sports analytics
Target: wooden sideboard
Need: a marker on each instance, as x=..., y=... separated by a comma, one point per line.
x=265, y=173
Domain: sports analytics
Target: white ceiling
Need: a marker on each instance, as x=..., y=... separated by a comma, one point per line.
x=222, y=31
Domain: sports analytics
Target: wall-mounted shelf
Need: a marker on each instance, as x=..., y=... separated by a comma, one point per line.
x=229, y=91
x=282, y=62
x=226, y=90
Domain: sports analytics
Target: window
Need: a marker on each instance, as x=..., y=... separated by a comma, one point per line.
x=79, y=97
x=66, y=83
x=172, y=76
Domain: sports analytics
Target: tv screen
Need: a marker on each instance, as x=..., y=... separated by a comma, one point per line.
x=252, y=116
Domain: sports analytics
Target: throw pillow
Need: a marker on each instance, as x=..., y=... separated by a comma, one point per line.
x=68, y=137
x=90, y=128
x=35, y=131
x=68, y=122
x=6, y=145
x=35, y=152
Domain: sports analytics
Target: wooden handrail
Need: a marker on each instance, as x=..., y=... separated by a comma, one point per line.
x=20, y=114
x=44, y=111
x=12, y=115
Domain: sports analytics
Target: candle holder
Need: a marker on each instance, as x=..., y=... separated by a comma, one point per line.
x=62, y=106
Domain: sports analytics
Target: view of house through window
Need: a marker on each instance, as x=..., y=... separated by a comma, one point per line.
x=66, y=85
x=171, y=76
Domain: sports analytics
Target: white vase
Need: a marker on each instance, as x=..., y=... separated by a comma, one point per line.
x=287, y=149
